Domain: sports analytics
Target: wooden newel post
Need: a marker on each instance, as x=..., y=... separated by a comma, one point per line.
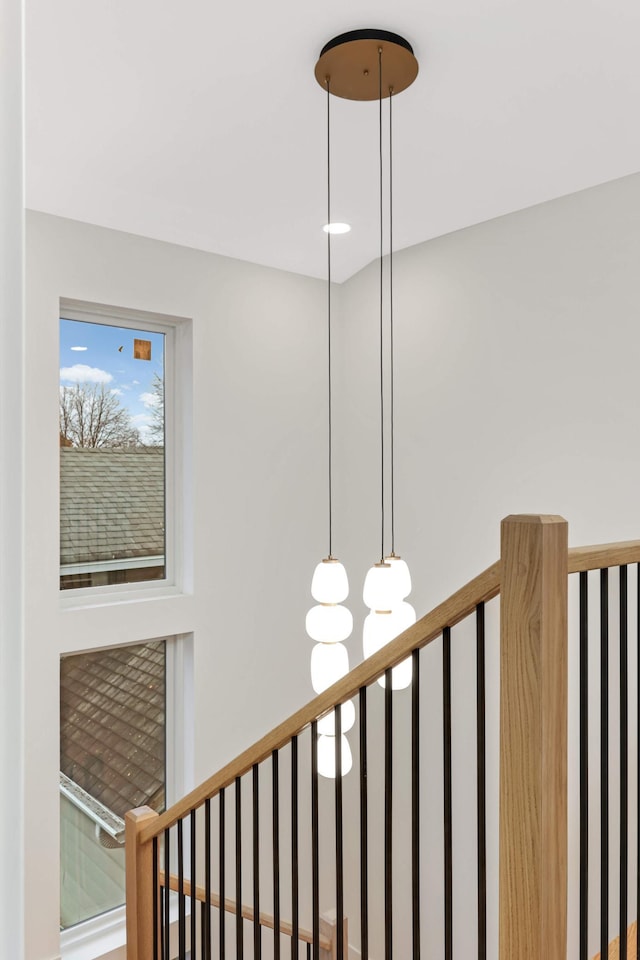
x=533, y=738
x=139, y=885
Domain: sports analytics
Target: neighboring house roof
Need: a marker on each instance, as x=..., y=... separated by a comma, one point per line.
x=112, y=718
x=111, y=504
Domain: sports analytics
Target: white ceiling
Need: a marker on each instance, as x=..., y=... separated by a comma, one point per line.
x=201, y=123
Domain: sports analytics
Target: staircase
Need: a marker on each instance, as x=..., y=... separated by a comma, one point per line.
x=249, y=863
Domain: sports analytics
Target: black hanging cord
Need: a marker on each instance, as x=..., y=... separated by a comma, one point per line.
x=381, y=310
x=329, y=308
x=393, y=498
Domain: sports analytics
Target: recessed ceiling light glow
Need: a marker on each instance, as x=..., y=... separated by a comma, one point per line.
x=337, y=228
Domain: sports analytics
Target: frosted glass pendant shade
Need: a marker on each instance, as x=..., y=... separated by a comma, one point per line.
x=401, y=676
x=380, y=629
x=329, y=624
x=327, y=724
x=329, y=662
x=330, y=583
x=380, y=588
x=326, y=748
x=400, y=576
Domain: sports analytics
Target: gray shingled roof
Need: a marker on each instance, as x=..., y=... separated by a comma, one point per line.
x=112, y=719
x=111, y=504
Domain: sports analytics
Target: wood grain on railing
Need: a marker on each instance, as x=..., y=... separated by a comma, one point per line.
x=458, y=606
x=533, y=739
x=613, y=953
x=247, y=913
x=601, y=555
x=139, y=885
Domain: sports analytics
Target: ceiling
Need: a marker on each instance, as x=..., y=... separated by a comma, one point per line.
x=201, y=123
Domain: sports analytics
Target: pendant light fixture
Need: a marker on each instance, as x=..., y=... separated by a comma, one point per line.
x=329, y=623
x=378, y=65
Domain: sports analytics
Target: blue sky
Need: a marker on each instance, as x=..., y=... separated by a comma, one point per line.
x=90, y=353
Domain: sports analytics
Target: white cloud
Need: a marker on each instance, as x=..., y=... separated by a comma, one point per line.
x=136, y=383
x=81, y=373
x=79, y=348
x=117, y=391
x=142, y=423
x=150, y=400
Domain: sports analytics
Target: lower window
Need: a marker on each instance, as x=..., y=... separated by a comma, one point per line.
x=113, y=736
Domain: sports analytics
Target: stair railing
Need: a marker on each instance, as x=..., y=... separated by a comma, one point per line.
x=531, y=578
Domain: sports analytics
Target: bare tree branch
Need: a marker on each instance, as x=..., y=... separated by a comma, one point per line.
x=91, y=416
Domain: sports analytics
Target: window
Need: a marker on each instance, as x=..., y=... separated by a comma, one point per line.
x=113, y=501
x=113, y=757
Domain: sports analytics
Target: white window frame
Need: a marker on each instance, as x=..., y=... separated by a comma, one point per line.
x=101, y=935
x=177, y=407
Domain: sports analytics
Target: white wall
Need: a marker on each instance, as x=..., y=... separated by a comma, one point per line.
x=11, y=475
x=516, y=347
x=256, y=510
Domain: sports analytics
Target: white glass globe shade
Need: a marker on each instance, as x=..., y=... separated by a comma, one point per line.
x=379, y=629
x=401, y=676
x=326, y=748
x=401, y=576
x=380, y=588
x=347, y=716
x=329, y=662
x=330, y=583
x=329, y=624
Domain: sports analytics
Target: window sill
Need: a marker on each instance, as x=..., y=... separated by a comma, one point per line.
x=99, y=937
x=107, y=596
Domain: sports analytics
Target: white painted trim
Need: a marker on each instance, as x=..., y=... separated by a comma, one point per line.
x=12, y=486
x=178, y=349
x=96, y=597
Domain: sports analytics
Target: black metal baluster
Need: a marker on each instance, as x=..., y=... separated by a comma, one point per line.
x=257, y=929
x=482, y=782
x=604, y=762
x=206, y=916
x=192, y=823
x=167, y=884
x=308, y=951
x=203, y=924
x=295, y=943
x=388, y=817
x=339, y=845
x=275, y=809
x=415, y=803
x=315, y=864
x=448, y=835
x=584, y=765
x=156, y=894
x=163, y=894
x=624, y=762
x=182, y=939
x=364, y=830
x=221, y=873
x=239, y=927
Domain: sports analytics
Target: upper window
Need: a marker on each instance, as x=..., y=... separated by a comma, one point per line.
x=113, y=505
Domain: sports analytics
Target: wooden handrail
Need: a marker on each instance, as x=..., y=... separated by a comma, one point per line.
x=462, y=603
x=246, y=912
x=458, y=606
x=597, y=556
